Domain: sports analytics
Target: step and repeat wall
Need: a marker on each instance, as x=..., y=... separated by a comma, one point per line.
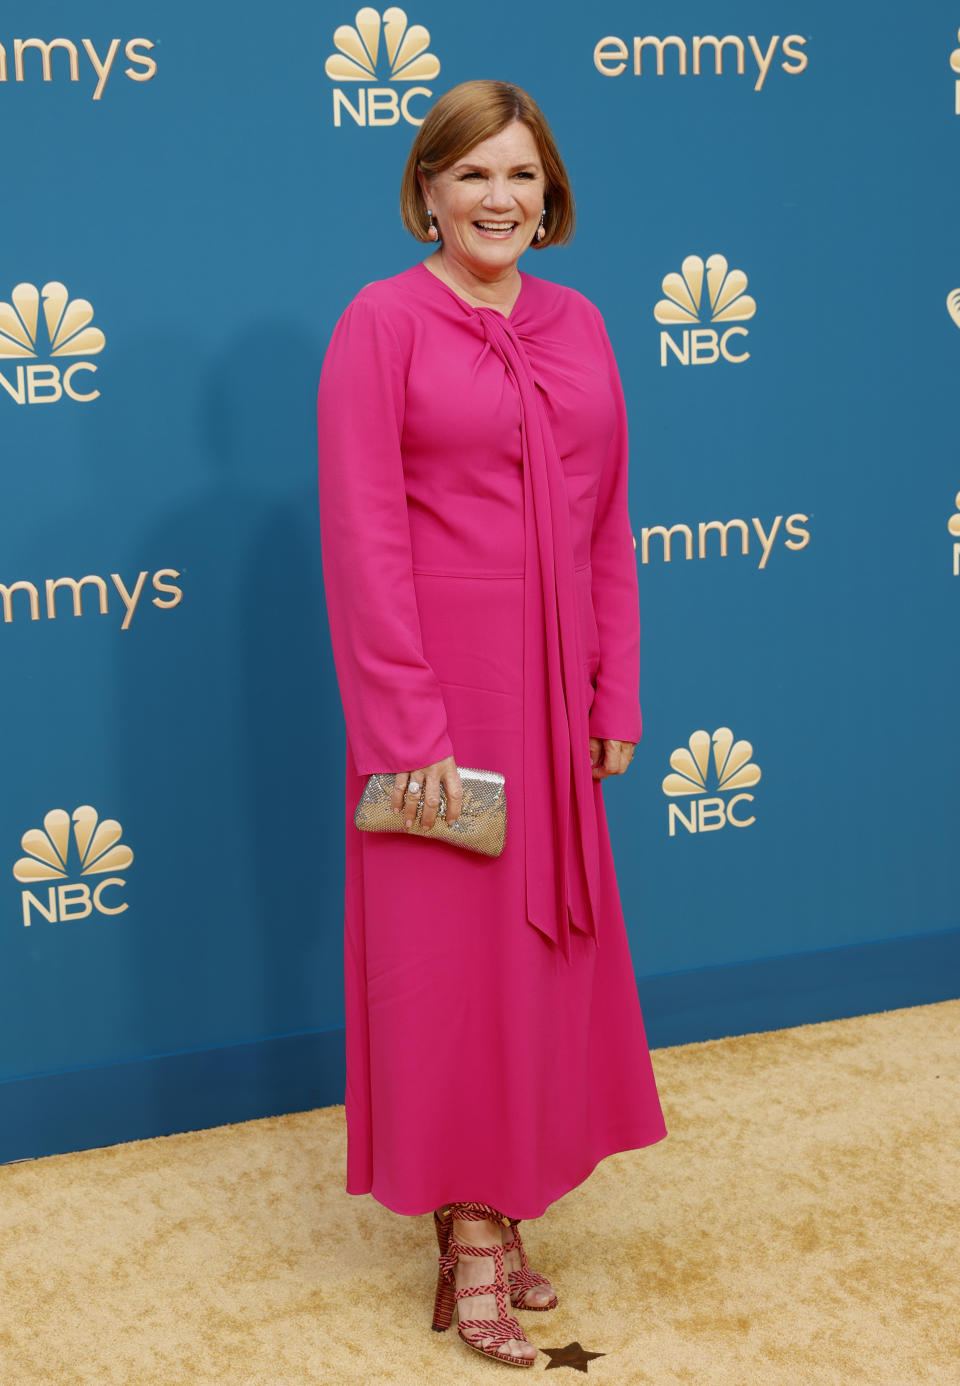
x=769, y=219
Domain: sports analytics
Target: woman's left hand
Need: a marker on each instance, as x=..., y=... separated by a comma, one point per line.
x=609, y=757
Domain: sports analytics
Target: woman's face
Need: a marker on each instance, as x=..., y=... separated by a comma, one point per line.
x=487, y=205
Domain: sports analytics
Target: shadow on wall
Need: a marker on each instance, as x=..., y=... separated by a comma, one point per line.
x=228, y=725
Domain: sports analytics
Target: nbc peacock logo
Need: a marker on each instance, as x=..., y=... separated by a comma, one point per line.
x=730, y=771
x=953, y=302
x=953, y=525
x=54, y=855
x=704, y=292
x=380, y=47
x=68, y=332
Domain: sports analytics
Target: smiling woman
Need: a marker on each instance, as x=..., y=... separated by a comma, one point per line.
x=486, y=210
x=485, y=178
x=481, y=586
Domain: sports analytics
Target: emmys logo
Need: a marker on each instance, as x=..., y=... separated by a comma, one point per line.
x=759, y=536
x=69, y=334
x=953, y=525
x=725, y=301
x=102, y=63
x=170, y=595
x=734, y=770
x=610, y=55
x=955, y=67
x=358, y=53
x=97, y=850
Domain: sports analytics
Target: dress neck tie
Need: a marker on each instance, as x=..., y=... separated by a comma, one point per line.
x=562, y=884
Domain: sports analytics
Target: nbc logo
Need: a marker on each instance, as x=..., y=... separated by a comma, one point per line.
x=953, y=297
x=953, y=525
x=69, y=334
x=955, y=67
x=734, y=770
x=98, y=850
x=725, y=302
x=358, y=53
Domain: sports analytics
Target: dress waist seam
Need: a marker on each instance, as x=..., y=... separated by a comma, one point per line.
x=435, y=572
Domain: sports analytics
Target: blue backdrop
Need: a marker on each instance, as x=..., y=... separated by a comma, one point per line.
x=768, y=221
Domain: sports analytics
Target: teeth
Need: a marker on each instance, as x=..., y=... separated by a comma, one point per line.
x=496, y=225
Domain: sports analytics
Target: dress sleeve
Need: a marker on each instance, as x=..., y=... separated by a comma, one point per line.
x=392, y=702
x=615, y=712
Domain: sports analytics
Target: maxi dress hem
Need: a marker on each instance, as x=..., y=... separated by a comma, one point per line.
x=497, y=1202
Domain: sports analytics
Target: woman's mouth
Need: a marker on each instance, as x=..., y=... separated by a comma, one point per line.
x=496, y=230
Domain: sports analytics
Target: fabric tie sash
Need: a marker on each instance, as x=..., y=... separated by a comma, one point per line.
x=562, y=883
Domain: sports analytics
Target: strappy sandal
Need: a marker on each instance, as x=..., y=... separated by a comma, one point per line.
x=493, y=1334
x=523, y=1280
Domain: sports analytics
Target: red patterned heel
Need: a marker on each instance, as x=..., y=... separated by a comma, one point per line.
x=524, y=1280
x=490, y=1335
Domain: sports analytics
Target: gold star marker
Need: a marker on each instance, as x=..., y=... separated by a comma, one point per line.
x=573, y=1355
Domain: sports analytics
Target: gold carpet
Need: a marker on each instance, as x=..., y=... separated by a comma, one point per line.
x=799, y=1224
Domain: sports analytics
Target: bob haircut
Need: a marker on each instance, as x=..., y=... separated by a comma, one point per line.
x=461, y=118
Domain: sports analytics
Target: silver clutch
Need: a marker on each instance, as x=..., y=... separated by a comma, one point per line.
x=481, y=826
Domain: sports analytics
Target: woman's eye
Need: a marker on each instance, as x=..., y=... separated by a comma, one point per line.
x=475, y=173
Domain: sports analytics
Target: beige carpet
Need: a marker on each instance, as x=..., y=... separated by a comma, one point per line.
x=800, y=1224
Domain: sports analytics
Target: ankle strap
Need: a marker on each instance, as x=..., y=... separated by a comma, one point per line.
x=477, y=1212
x=496, y=1287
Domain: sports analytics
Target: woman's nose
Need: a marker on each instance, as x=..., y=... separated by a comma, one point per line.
x=498, y=194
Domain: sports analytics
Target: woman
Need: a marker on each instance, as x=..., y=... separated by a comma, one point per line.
x=481, y=585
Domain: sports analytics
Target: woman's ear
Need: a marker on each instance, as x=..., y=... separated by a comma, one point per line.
x=424, y=187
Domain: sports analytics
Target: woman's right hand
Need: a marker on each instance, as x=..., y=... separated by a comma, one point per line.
x=428, y=781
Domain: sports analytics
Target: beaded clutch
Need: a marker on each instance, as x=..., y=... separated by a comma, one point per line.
x=481, y=826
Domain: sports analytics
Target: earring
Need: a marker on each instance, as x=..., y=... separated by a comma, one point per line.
x=541, y=232
x=433, y=234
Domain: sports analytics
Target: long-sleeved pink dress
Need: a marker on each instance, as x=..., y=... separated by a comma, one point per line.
x=481, y=586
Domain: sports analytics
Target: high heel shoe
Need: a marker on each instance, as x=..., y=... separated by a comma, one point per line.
x=519, y=1281
x=493, y=1334
x=523, y=1280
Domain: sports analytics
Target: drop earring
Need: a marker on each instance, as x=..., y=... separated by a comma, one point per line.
x=433, y=234
x=541, y=231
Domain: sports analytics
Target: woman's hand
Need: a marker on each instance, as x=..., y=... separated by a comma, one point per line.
x=609, y=757
x=428, y=782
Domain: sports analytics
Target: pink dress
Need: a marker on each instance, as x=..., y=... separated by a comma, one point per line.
x=481, y=587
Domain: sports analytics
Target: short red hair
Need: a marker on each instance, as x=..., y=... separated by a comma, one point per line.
x=464, y=116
